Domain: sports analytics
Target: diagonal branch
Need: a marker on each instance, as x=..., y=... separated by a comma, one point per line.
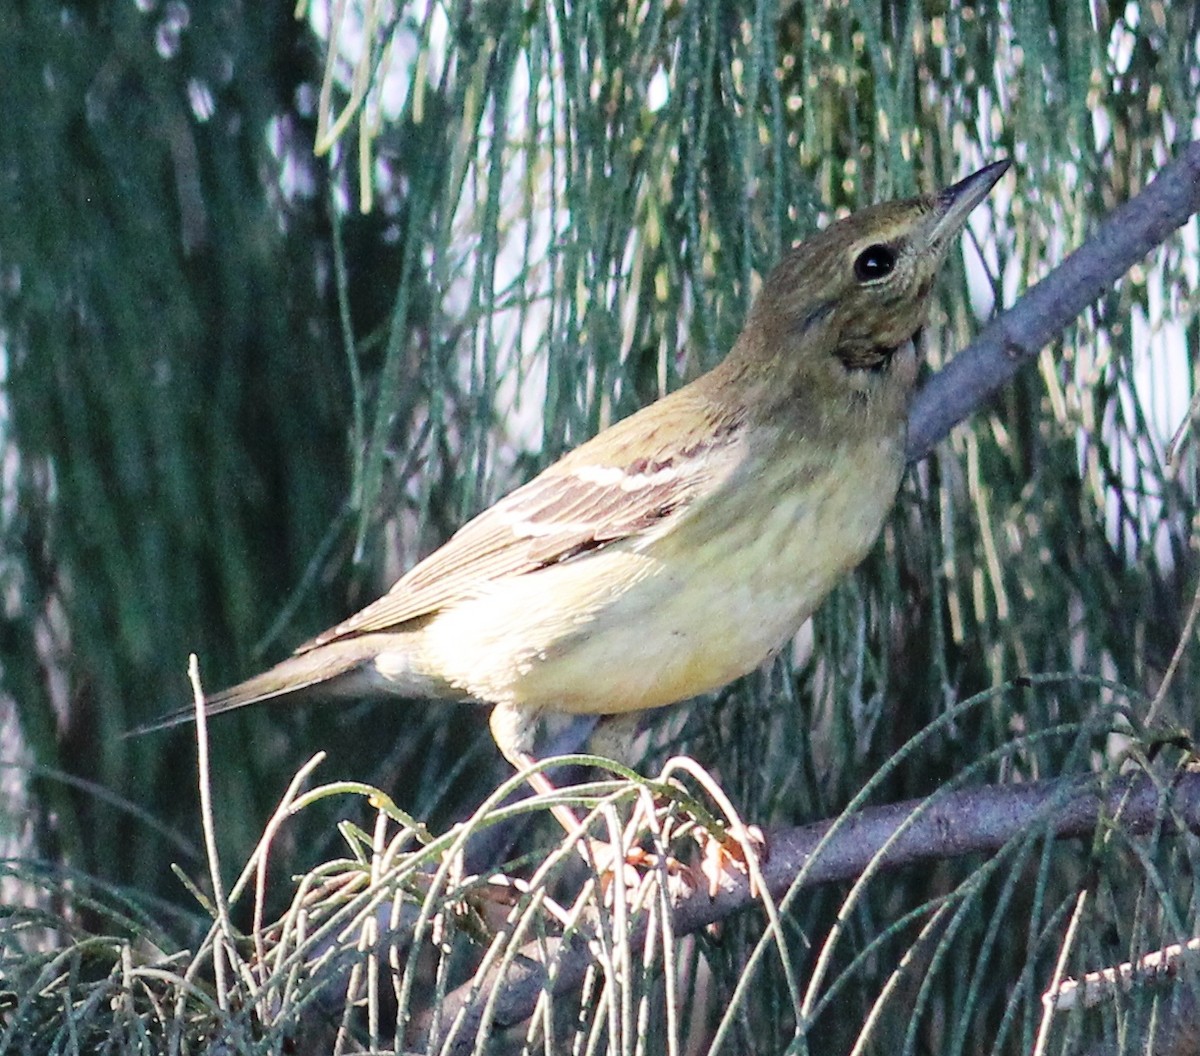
x=972, y=821
x=1017, y=335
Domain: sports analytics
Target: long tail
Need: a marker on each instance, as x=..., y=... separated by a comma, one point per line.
x=331, y=667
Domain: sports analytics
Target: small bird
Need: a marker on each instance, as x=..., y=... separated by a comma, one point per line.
x=683, y=546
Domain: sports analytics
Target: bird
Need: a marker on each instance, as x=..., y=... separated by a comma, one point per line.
x=683, y=546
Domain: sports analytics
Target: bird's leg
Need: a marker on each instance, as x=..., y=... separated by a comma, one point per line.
x=598, y=854
x=540, y=783
x=621, y=864
x=513, y=729
x=741, y=850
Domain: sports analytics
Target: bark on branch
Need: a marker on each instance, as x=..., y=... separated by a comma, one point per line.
x=958, y=823
x=1017, y=335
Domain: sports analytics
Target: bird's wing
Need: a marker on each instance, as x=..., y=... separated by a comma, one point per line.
x=577, y=506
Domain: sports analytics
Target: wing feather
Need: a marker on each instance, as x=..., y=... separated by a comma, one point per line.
x=577, y=506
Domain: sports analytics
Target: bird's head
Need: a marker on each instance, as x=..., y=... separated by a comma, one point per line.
x=844, y=307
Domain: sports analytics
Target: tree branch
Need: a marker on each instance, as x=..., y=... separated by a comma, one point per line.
x=1017, y=335
x=954, y=824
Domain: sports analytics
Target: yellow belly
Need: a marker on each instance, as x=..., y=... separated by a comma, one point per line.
x=641, y=625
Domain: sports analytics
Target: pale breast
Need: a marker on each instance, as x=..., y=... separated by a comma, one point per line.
x=642, y=625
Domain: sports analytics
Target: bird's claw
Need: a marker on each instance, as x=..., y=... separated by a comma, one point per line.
x=635, y=865
x=742, y=845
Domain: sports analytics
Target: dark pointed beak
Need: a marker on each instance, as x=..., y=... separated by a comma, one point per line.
x=955, y=203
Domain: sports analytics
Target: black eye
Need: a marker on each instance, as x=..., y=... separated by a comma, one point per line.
x=874, y=262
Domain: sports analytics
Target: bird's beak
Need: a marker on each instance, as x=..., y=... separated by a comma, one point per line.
x=954, y=204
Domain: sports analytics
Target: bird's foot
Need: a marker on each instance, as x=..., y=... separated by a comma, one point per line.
x=743, y=849
x=638, y=871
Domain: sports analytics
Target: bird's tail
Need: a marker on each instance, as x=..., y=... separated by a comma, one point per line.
x=332, y=668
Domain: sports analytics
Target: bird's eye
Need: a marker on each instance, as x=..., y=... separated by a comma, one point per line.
x=874, y=262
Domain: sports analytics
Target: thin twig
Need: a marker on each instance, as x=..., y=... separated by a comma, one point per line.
x=1185, y=637
x=1164, y=964
x=1060, y=967
x=968, y=822
x=210, y=836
